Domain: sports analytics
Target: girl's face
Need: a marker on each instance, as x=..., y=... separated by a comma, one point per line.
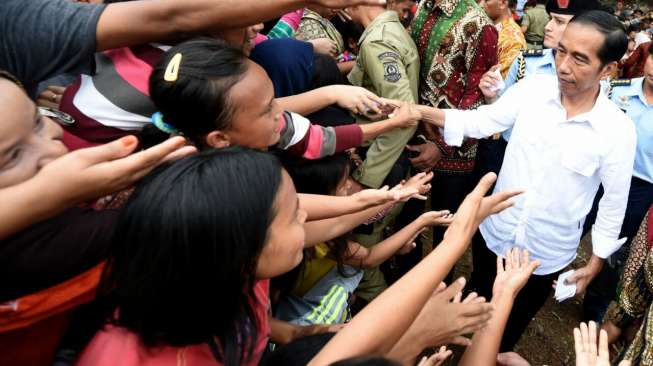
x=257, y=119
x=284, y=247
x=28, y=141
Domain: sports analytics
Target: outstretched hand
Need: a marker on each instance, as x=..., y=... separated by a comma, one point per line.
x=476, y=207
x=94, y=172
x=512, y=276
x=587, y=353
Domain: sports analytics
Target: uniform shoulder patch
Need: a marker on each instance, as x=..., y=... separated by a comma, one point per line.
x=388, y=54
x=391, y=71
x=620, y=82
x=532, y=53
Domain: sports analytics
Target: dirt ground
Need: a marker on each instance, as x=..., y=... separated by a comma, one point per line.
x=549, y=338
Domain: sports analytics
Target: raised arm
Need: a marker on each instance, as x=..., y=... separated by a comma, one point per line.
x=80, y=176
x=353, y=98
x=362, y=257
x=137, y=22
x=511, y=277
x=320, y=207
x=400, y=304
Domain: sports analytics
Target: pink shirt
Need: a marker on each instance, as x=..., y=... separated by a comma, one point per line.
x=118, y=346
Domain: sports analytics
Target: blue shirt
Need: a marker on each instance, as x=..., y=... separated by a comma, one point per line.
x=631, y=100
x=545, y=64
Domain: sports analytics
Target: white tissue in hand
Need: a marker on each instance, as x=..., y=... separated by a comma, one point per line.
x=565, y=291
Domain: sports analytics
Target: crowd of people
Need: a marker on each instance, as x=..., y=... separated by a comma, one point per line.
x=217, y=182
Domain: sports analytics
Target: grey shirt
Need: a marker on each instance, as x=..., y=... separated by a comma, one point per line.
x=40, y=39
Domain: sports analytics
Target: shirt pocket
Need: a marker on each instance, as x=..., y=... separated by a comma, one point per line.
x=580, y=163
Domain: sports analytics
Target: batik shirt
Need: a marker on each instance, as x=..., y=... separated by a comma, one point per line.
x=457, y=44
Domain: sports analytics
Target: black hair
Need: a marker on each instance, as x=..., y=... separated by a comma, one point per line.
x=650, y=50
x=9, y=76
x=197, y=102
x=367, y=361
x=183, y=261
x=320, y=176
x=615, y=42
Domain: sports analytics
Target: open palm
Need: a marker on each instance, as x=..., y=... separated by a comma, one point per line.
x=514, y=274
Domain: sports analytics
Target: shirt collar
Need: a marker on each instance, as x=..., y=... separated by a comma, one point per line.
x=385, y=17
x=595, y=116
x=637, y=86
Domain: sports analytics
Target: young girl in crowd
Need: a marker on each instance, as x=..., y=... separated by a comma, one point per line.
x=191, y=283
x=212, y=94
x=53, y=266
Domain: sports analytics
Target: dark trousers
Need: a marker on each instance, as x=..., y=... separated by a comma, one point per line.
x=447, y=193
x=603, y=289
x=527, y=303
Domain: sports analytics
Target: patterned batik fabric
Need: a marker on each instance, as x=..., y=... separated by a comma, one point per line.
x=457, y=44
x=635, y=297
x=314, y=26
x=511, y=42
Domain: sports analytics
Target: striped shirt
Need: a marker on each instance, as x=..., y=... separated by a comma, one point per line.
x=115, y=101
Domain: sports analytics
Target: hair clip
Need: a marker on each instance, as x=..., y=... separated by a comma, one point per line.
x=172, y=70
x=157, y=120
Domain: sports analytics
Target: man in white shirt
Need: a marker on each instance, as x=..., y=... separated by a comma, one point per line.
x=567, y=139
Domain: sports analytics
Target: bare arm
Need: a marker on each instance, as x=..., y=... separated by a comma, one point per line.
x=320, y=207
x=319, y=231
x=137, y=22
x=400, y=304
x=371, y=257
x=510, y=279
x=80, y=176
x=353, y=98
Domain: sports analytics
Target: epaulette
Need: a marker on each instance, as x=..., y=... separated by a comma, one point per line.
x=620, y=82
x=532, y=53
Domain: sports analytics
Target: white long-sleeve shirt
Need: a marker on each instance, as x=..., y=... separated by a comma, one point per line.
x=559, y=162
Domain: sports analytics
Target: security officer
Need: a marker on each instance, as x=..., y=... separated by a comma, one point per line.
x=635, y=98
x=529, y=62
x=387, y=65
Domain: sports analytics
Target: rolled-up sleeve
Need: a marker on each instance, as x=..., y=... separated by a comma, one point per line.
x=615, y=171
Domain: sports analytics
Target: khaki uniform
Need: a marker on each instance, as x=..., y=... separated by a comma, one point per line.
x=536, y=19
x=387, y=65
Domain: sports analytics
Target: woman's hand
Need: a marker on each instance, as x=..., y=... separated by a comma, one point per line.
x=420, y=182
x=94, y=172
x=356, y=99
x=431, y=328
x=476, y=207
x=587, y=353
x=512, y=276
x=437, y=358
x=436, y=218
x=51, y=97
